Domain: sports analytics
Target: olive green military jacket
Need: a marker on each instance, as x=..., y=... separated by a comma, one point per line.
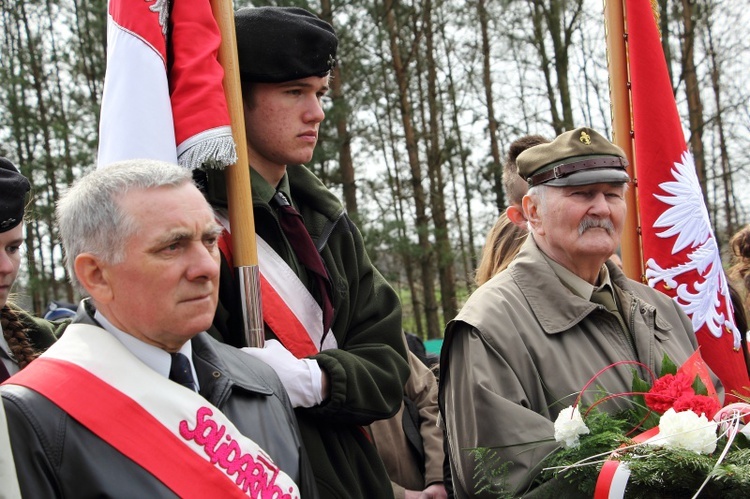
x=524, y=346
x=368, y=370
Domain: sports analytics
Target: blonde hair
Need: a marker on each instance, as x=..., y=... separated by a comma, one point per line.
x=740, y=269
x=504, y=241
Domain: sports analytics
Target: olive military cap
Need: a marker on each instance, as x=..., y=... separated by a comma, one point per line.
x=278, y=44
x=13, y=189
x=578, y=157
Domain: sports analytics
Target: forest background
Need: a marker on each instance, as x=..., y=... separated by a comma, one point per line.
x=426, y=98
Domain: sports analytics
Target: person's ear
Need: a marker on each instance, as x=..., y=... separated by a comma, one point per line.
x=531, y=211
x=515, y=215
x=93, y=276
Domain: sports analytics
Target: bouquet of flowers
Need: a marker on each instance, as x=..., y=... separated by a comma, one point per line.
x=676, y=441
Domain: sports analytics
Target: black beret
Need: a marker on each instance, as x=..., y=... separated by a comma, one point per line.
x=578, y=157
x=13, y=189
x=278, y=44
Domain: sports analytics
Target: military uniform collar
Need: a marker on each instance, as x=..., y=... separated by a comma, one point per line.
x=264, y=191
x=575, y=284
x=557, y=307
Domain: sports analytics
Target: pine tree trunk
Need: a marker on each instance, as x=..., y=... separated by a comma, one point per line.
x=422, y=222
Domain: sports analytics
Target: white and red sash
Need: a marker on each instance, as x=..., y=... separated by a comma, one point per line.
x=289, y=309
x=614, y=475
x=169, y=430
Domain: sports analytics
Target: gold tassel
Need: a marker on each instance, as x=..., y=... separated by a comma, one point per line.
x=657, y=15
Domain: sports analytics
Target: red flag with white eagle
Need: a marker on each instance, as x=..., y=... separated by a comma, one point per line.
x=163, y=97
x=679, y=247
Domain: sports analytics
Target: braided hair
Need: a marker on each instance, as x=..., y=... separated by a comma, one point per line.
x=17, y=335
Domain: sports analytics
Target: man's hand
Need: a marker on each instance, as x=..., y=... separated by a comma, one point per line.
x=434, y=491
x=302, y=378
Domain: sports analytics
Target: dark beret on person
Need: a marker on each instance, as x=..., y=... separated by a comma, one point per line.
x=278, y=44
x=13, y=189
x=578, y=157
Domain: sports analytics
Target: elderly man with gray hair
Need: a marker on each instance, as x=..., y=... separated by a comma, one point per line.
x=528, y=340
x=135, y=399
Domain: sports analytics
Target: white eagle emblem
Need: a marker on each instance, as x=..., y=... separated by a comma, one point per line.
x=161, y=7
x=687, y=218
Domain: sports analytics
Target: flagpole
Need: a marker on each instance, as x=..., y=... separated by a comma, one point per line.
x=614, y=27
x=239, y=194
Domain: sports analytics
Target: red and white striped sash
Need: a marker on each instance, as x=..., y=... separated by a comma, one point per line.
x=289, y=309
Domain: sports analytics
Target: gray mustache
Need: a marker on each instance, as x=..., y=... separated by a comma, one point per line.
x=596, y=223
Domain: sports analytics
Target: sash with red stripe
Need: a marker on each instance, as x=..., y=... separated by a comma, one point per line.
x=162, y=425
x=289, y=309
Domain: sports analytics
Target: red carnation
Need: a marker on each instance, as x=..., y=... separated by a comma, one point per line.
x=666, y=390
x=699, y=404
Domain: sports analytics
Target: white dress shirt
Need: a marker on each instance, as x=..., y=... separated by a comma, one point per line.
x=154, y=357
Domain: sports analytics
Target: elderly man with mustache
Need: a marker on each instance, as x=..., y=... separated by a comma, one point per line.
x=528, y=340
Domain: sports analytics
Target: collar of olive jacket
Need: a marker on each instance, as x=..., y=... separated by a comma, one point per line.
x=319, y=207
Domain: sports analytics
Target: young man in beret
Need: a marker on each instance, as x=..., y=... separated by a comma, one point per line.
x=526, y=342
x=333, y=324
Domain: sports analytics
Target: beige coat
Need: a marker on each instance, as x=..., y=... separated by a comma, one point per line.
x=523, y=347
x=393, y=447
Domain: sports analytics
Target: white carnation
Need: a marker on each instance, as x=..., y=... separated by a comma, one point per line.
x=686, y=430
x=568, y=426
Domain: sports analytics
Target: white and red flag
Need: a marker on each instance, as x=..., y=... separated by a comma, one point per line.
x=163, y=97
x=679, y=247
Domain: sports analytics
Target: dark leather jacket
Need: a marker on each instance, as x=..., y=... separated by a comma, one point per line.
x=57, y=457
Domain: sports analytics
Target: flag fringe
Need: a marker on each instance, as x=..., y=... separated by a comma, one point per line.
x=657, y=15
x=212, y=148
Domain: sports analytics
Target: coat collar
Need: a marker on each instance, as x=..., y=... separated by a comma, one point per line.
x=556, y=307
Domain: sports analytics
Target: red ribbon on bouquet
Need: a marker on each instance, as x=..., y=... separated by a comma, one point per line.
x=613, y=477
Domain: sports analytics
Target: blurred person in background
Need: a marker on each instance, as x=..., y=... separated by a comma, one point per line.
x=739, y=275
x=509, y=232
x=515, y=186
